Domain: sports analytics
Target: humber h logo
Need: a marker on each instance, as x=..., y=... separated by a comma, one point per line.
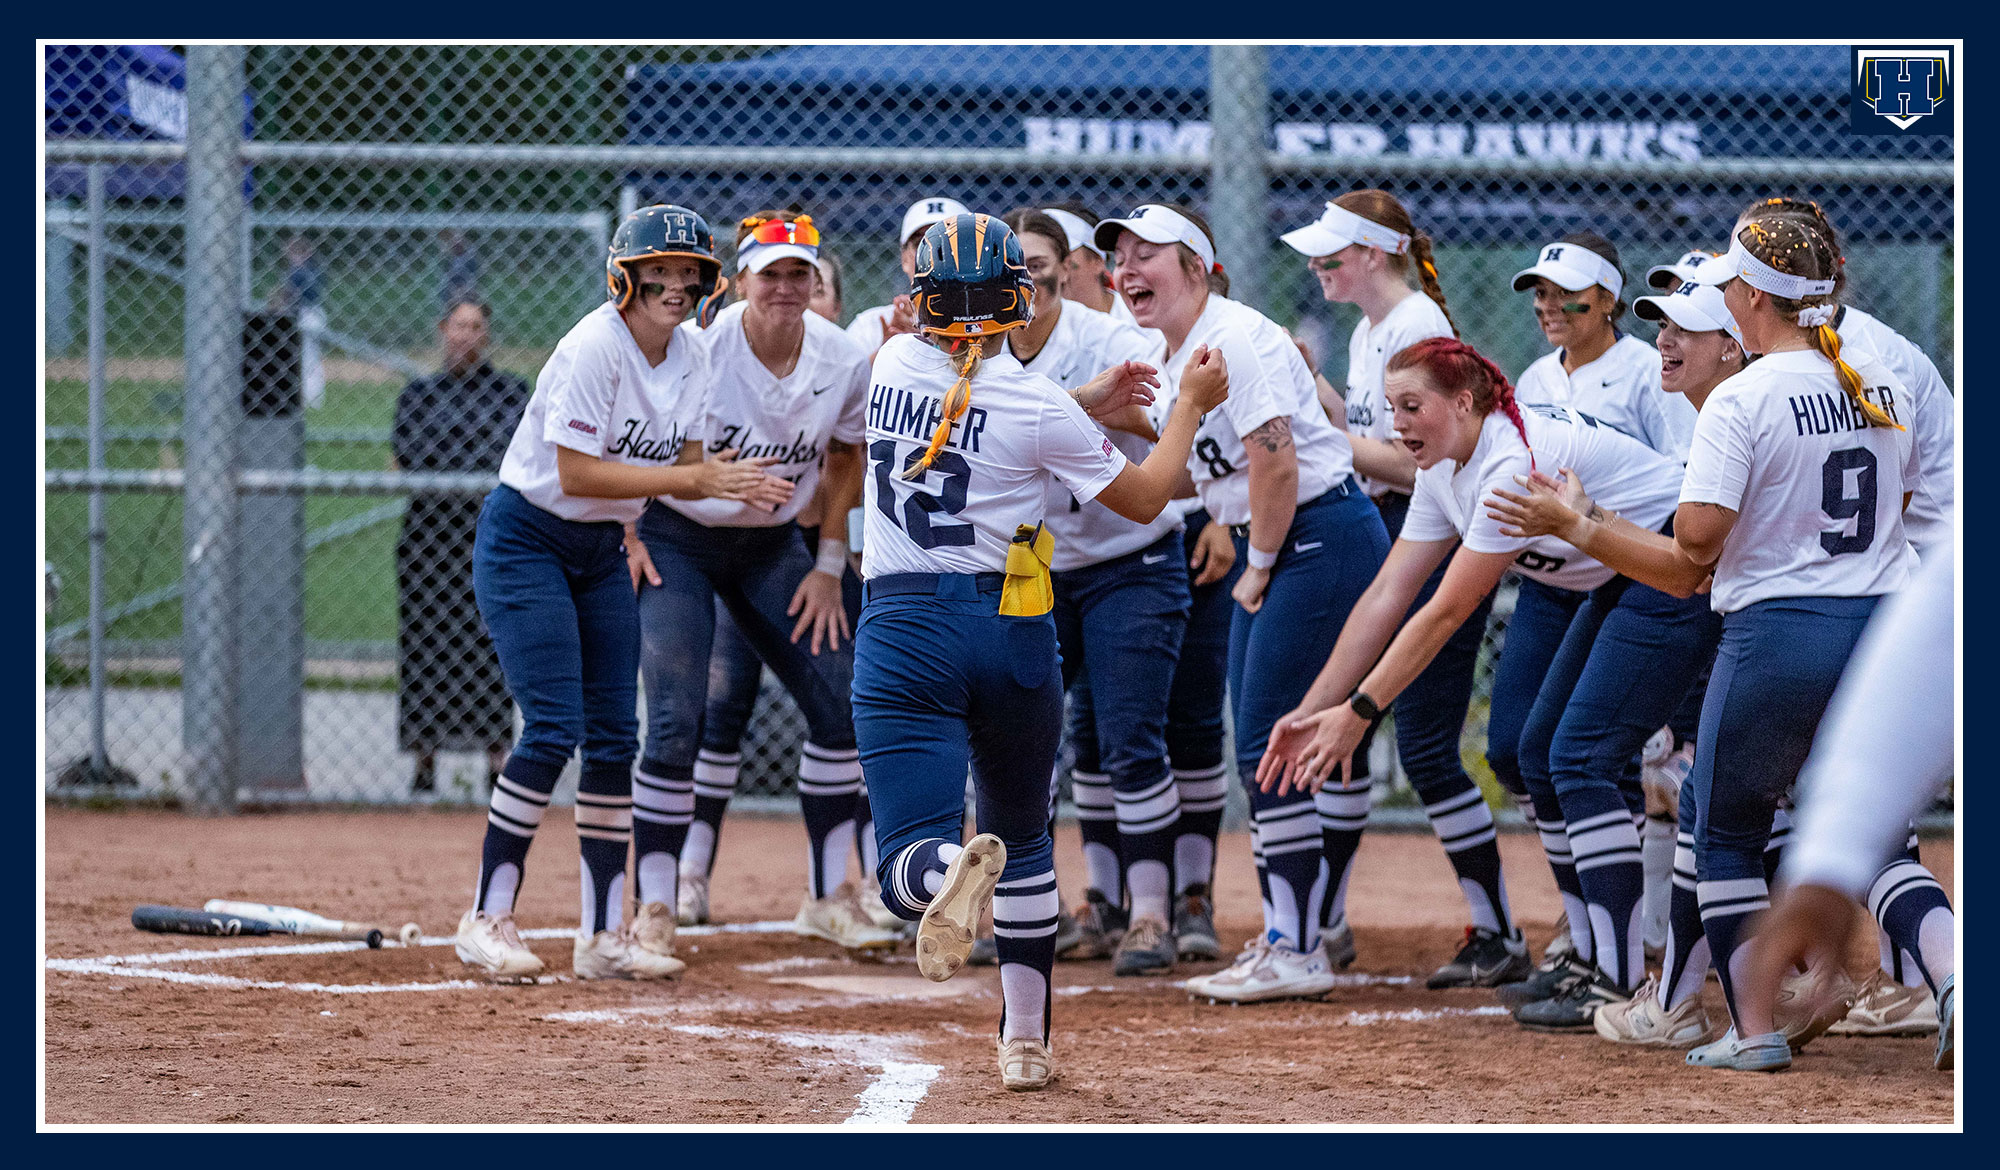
x=1552, y=253
x=934, y=207
x=1901, y=87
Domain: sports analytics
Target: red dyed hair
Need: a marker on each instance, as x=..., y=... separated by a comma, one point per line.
x=1451, y=365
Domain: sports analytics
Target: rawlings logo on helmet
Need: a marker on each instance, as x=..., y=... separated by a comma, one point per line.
x=661, y=230
x=972, y=278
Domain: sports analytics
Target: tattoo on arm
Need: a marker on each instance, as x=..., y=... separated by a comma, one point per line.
x=1274, y=436
x=1706, y=504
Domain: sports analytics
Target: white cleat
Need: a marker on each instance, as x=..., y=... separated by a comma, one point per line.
x=692, y=908
x=1265, y=971
x=950, y=922
x=1883, y=1007
x=1643, y=1022
x=878, y=911
x=653, y=930
x=616, y=954
x=839, y=919
x=490, y=943
x=1026, y=1065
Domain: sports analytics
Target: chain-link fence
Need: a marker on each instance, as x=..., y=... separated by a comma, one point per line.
x=258, y=572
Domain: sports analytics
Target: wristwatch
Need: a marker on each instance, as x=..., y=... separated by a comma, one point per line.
x=1364, y=706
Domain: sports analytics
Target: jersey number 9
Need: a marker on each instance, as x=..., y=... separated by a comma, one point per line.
x=1839, y=504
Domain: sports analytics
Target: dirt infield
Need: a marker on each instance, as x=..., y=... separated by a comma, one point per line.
x=768, y=1027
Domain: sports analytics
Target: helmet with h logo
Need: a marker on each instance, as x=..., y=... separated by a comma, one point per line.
x=971, y=278
x=661, y=230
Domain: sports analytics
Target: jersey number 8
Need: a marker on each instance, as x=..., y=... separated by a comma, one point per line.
x=920, y=505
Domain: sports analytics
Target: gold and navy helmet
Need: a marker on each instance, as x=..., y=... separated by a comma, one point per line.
x=971, y=279
x=660, y=230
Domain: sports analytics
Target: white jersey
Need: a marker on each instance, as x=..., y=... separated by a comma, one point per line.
x=1817, y=491
x=1267, y=380
x=1084, y=343
x=866, y=328
x=1622, y=474
x=1620, y=389
x=1021, y=433
x=757, y=414
x=1415, y=318
x=599, y=395
x=1930, y=419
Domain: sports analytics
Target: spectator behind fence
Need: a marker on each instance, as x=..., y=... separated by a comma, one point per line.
x=452, y=695
x=299, y=293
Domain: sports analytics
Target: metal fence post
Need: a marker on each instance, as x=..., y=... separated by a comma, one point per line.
x=214, y=358
x=1239, y=184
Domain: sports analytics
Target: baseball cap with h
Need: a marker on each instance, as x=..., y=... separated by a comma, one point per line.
x=1697, y=308
x=1157, y=224
x=927, y=211
x=1572, y=267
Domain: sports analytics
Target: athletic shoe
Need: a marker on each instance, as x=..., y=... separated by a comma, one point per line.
x=1575, y=1010
x=839, y=919
x=1766, y=1053
x=1643, y=1022
x=1194, y=925
x=1884, y=1007
x=1552, y=978
x=1026, y=1065
x=692, y=906
x=653, y=929
x=1562, y=944
x=491, y=943
x=616, y=954
x=1338, y=941
x=1268, y=971
x=1069, y=933
x=1947, y=1049
x=945, y=934
x=1488, y=959
x=1099, y=927
x=877, y=910
x=1798, y=995
x=1147, y=949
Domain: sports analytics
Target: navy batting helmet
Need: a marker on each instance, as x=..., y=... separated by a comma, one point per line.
x=972, y=278
x=660, y=230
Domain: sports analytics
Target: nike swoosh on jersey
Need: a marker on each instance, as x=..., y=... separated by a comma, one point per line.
x=822, y=389
x=1153, y=560
x=1302, y=546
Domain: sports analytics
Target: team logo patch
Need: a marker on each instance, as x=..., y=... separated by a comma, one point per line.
x=1901, y=89
x=1107, y=448
x=577, y=424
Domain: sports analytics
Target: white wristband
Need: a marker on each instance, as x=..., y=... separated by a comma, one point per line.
x=1259, y=559
x=832, y=558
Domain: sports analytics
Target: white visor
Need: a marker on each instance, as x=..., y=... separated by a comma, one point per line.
x=1573, y=267
x=1759, y=275
x=927, y=211
x=1075, y=228
x=755, y=257
x=1697, y=308
x=1157, y=225
x=1338, y=228
x=1656, y=276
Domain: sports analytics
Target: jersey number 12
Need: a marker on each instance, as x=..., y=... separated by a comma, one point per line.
x=920, y=506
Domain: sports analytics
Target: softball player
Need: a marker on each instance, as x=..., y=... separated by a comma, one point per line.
x=1884, y=752
x=1670, y=277
x=955, y=657
x=1121, y=606
x=1622, y=666
x=1274, y=468
x=610, y=423
x=1085, y=275
x=1363, y=250
x=871, y=327
x=788, y=386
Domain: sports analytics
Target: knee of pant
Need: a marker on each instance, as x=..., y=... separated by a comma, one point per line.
x=1028, y=855
x=829, y=725
x=549, y=742
x=1506, y=765
x=1434, y=783
x=612, y=742
x=1576, y=763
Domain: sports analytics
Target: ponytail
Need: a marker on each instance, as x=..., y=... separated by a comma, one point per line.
x=956, y=400
x=1420, y=251
x=1827, y=342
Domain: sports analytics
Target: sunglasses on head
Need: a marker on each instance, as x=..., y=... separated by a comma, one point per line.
x=800, y=231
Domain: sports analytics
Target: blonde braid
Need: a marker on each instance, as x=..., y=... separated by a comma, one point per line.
x=956, y=400
x=1827, y=342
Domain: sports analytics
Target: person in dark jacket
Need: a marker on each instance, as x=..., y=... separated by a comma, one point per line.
x=452, y=695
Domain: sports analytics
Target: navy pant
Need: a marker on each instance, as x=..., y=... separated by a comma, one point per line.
x=1629, y=657
x=1542, y=614
x=1775, y=672
x=557, y=599
x=1194, y=705
x=1333, y=551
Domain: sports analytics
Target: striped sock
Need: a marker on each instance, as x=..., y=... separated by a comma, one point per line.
x=829, y=788
x=1686, y=963
x=1774, y=849
x=1554, y=832
x=1097, y=820
x=866, y=847
x=1342, y=814
x=1464, y=826
x=663, y=802
x=1726, y=907
x=1147, y=820
x=604, y=839
x=715, y=776
x=1913, y=911
x=1613, y=876
x=911, y=878
x=1204, y=793
x=514, y=812
x=1294, y=872
x=1024, y=937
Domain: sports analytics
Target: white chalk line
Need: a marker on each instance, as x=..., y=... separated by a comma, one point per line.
x=1419, y=1015
x=1345, y=979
